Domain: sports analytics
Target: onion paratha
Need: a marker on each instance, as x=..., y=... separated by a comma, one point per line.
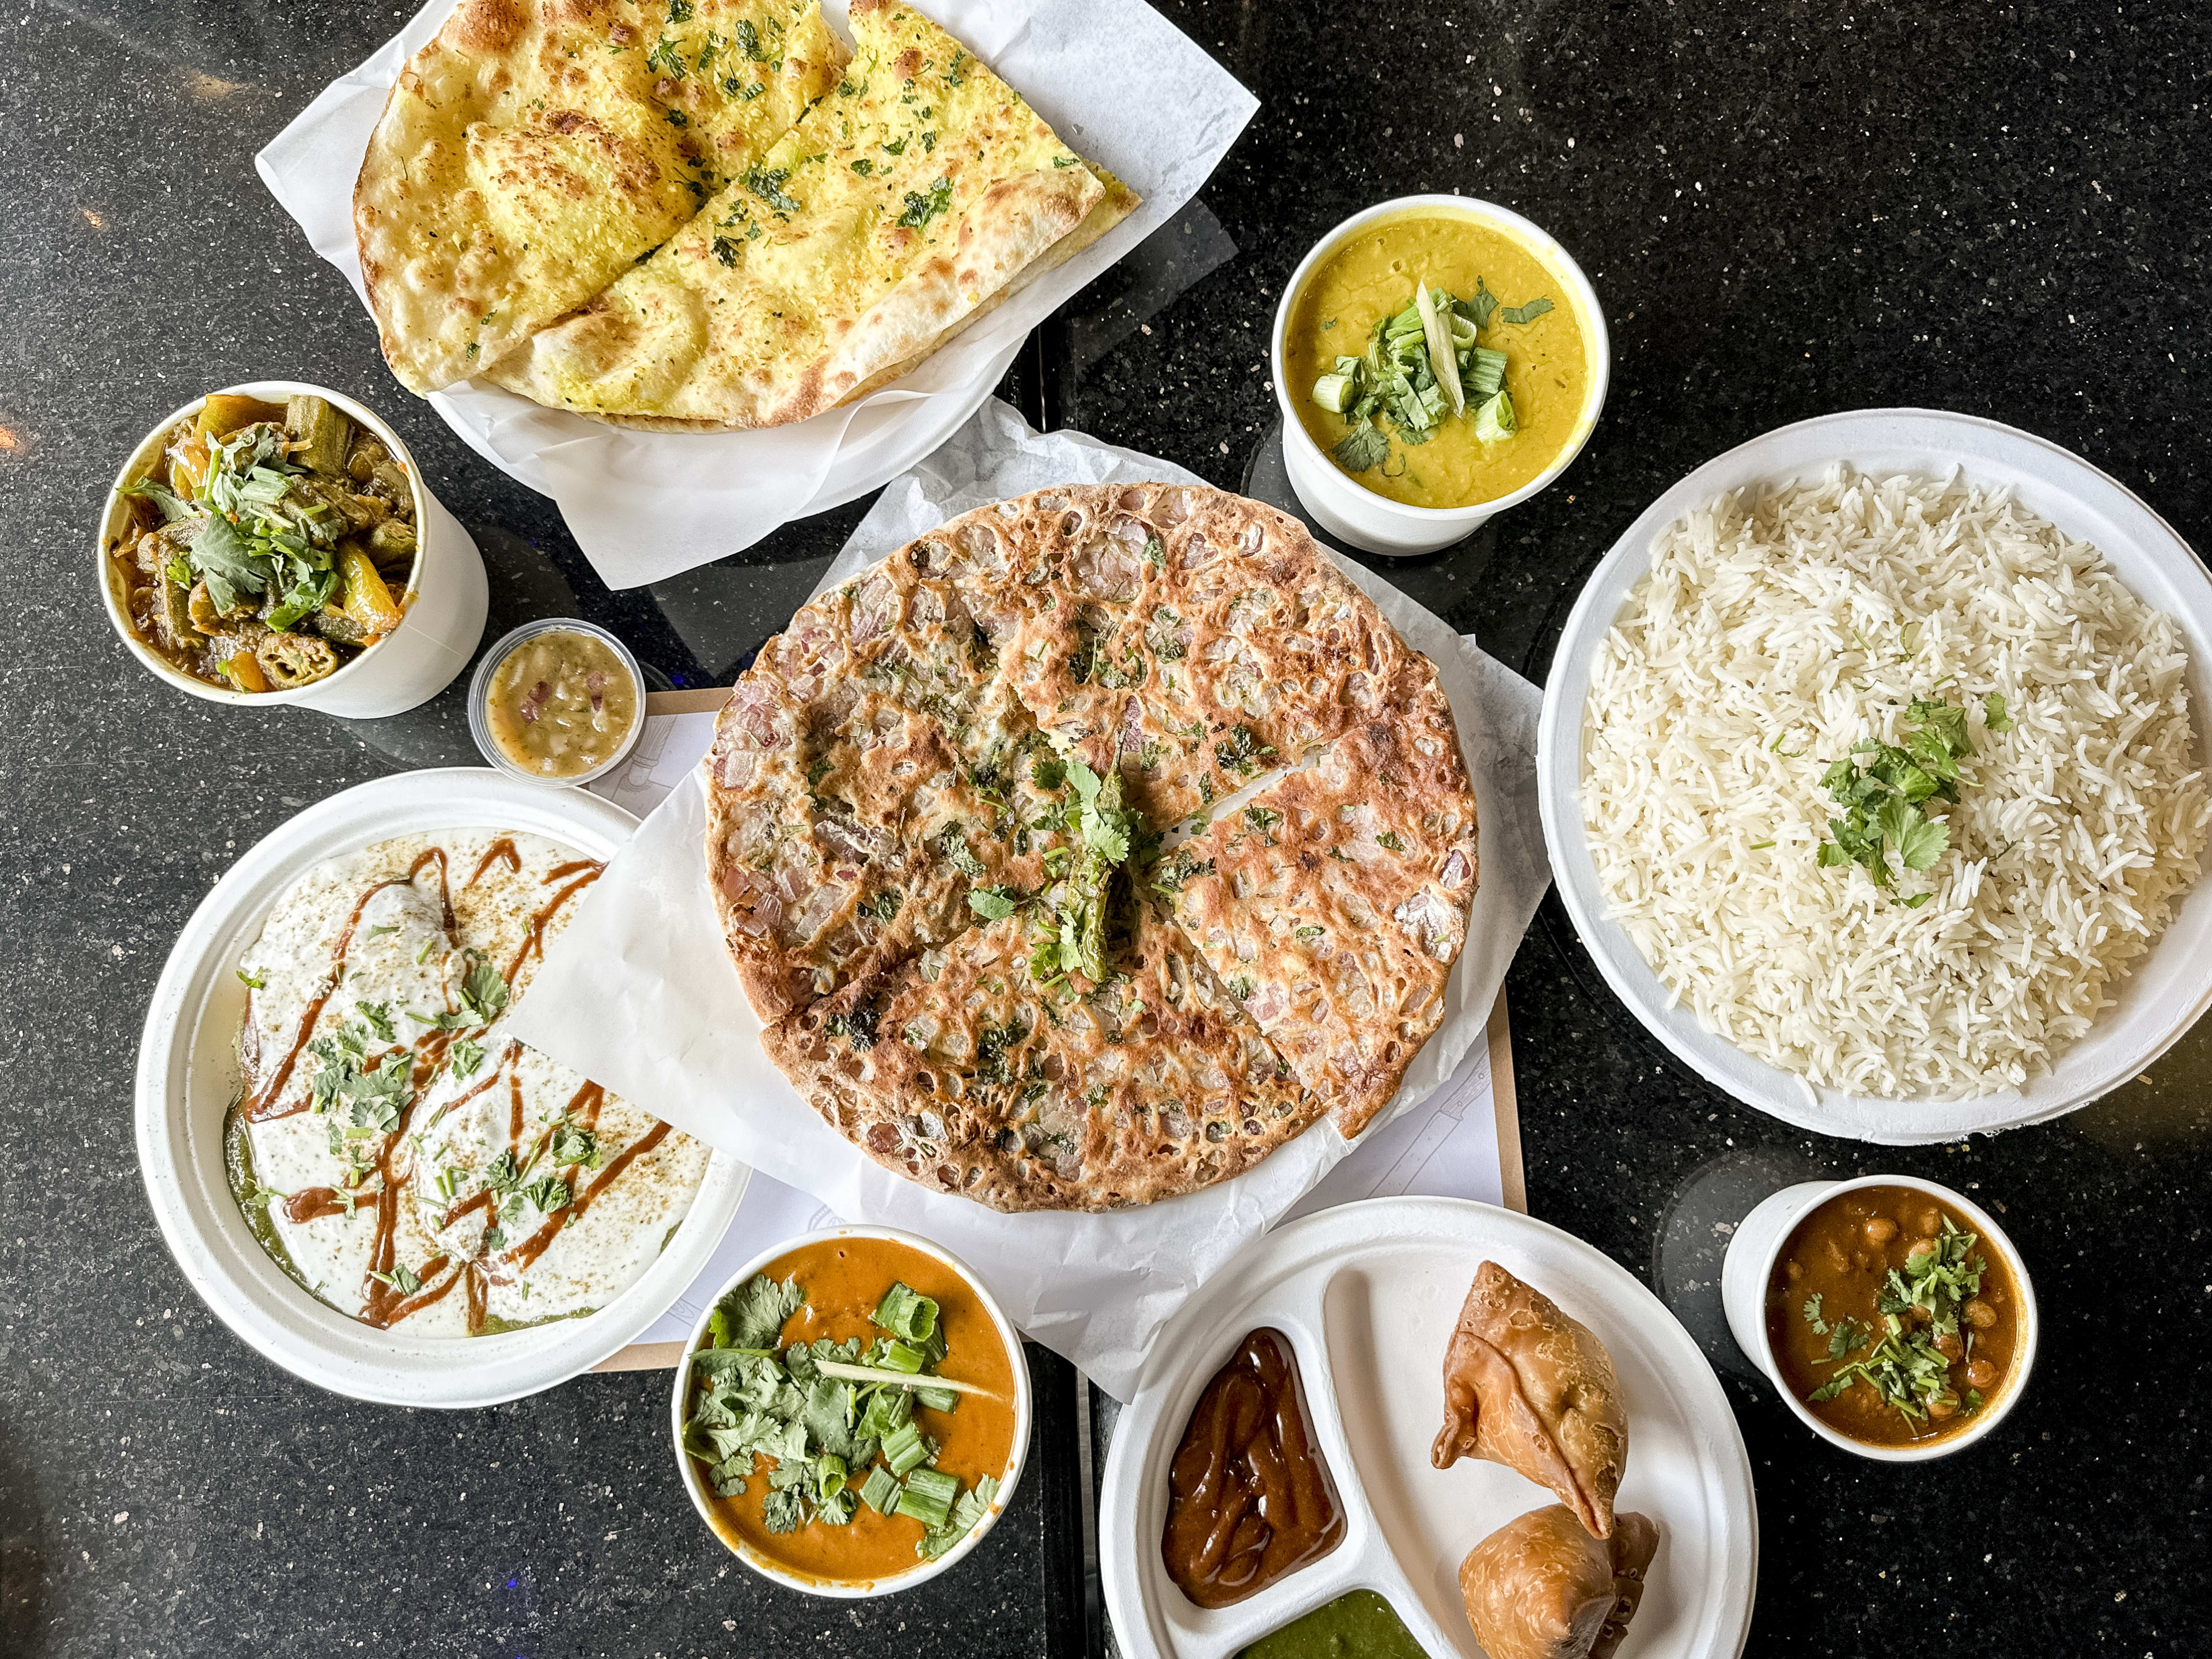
x=1335, y=904
x=901, y=803
x=535, y=150
x=960, y=1071
x=923, y=191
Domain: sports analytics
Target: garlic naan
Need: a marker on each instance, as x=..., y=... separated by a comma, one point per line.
x=536, y=149
x=899, y=209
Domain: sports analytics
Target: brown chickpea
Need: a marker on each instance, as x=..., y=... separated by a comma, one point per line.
x=1950, y=1346
x=1940, y=1408
x=1980, y=1374
x=1796, y=1271
x=1880, y=1230
x=1835, y=1253
x=1930, y=1223
x=1861, y=1260
x=1979, y=1314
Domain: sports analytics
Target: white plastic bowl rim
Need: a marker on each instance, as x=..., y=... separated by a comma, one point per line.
x=922, y=1572
x=188, y=1076
x=1749, y=1282
x=2169, y=988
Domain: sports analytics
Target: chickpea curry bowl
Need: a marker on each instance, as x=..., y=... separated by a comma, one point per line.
x=256, y=546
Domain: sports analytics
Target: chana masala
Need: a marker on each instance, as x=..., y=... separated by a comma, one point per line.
x=1891, y=1317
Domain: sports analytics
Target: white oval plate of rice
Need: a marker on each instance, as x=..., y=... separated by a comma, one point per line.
x=1693, y=720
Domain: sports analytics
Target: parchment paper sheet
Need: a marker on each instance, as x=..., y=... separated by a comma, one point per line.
x=1119, y=83
x=639, y=995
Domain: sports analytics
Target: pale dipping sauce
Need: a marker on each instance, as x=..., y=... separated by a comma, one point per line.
x=561, y=704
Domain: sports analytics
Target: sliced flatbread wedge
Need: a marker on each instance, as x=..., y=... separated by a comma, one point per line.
x=869, y=771
x=961, y=1071
x=1192, y=638
x=535, y=150
x=921, y=191
x=1333, y=905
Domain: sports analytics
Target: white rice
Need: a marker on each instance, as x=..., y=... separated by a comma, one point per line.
x=1790, y=620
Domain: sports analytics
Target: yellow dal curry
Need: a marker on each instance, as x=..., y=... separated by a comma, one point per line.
x=1548, y=361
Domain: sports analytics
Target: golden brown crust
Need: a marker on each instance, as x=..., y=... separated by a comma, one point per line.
x=1541, y=1587
x=531, y=153
x=1530, y=1388
x=1336, y=902
x=909, y=706
x=880, y=226
x=959, y=1071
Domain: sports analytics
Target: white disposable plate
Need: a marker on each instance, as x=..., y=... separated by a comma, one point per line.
x=2170, y=987
x=1368, y=1295
x=188, y=1075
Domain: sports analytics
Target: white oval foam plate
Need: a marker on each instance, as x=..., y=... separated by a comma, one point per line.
x=2170, y=987
x=1368, y=1295
x=188, y=1074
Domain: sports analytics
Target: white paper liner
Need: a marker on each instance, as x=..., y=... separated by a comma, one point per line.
x=646, y=506
x=639, y=995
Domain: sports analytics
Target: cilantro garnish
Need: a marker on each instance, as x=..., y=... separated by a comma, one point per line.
x=921, y=209
x=768, y=184
x=993, y=903
x=1882, y=788
x=834, y=1421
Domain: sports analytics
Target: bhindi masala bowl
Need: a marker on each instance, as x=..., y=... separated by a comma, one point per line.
x=1438, y=360
x=853, y=1413
x=274, y=543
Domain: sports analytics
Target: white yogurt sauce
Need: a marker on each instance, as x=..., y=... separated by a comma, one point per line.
x=494, y=1187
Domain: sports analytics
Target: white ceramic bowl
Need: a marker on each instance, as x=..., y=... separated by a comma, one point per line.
x=922, y=1572
x=2169, y=988
x=444, y=602
x=480, y=693
x=188, y=1075
x=1748, y=1267
x=1348, y=508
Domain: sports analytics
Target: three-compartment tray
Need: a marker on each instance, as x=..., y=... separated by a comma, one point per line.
x=1367, y=1295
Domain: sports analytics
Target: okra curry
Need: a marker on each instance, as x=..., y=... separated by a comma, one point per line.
x=270, y=545
x=1891, y=1318
x=852, y=1410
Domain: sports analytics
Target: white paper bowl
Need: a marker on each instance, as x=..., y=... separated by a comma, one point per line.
x=188, y=1076
x=854, y=1588
x=1748, y=1267
x=1348, y=508
x=2170, y=987
x=446, y=598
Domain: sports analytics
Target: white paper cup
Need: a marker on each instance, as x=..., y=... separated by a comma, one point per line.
x=922, y=1572
x=1748, y=1268
x=1347, y=509
x=444, y=602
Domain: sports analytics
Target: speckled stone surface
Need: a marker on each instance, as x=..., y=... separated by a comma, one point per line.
x=1787, y=209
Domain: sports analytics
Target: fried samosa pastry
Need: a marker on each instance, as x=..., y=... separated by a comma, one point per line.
x=1530, y=1388
x=1542, y=1588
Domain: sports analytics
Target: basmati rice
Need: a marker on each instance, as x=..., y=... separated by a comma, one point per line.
x=1773, y=633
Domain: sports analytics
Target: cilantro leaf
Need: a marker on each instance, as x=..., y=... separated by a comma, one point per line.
x=753, y=1315
x=992, y=903
x=1363, y=448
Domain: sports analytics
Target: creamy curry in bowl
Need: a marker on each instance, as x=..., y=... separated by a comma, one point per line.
x=1439, y=359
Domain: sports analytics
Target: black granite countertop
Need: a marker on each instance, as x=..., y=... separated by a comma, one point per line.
x=1787, y=209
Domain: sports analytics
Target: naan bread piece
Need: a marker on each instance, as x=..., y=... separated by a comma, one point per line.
x=1190, y=637
x=1335, y=904
x=961, y=1071
x=901, y=207
x=535, y=150
x=871, y=769
x=1542, y=1588
x=1530, y=1388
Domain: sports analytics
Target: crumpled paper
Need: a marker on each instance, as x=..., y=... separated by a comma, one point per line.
x=639, y=995
x=644, y=506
